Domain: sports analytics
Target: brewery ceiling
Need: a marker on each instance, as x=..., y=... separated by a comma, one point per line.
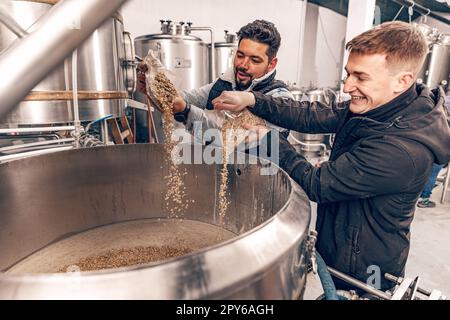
x=388, y=8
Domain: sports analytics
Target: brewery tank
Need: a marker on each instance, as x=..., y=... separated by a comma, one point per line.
x=224, y=53
x=439, y=65
x=113, y=198
x=103, y=80
x=185, y=55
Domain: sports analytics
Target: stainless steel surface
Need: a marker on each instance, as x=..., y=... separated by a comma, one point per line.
x=431, y=35
x=10, y=23
x=50, y=40
x=34, y=130
x=224, y=54
x=89, y=188
x=22, y=155
x=129, y=68
x=26, y=13
x=439, y=67
x=99, y=69
x=212, y=58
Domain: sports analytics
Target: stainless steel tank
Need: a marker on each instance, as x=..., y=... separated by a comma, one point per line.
x=224, y=53
x=439, y=66
x=310, y=145
x=95, y=198
x=181, y=53
x=431, y=35
x=26, y=13
x=101, y=80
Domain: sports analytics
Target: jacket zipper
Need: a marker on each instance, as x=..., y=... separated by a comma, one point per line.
x=355, y=251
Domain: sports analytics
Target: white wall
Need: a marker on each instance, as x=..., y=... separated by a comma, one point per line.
x=142, y=17
x=324, y=47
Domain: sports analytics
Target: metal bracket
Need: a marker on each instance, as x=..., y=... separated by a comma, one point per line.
x=137, y=105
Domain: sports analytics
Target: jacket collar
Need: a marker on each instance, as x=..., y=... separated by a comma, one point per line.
x=230, y=76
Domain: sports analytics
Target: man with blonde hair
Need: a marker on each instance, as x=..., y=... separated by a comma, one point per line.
x=387, y=138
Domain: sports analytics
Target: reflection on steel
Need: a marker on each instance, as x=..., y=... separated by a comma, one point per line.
x=48, y=197
x=50, y=40
x=224, y=53
x=34, y=130
x=33, y=154
x=10, y=23
x=212, y=70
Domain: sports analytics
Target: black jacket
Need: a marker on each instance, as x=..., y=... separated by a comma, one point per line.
x=367, y=191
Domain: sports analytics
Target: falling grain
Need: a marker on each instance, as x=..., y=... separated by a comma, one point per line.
x=233, y=134
x=175, y=197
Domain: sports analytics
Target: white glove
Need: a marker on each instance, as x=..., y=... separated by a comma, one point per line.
x=234, y=101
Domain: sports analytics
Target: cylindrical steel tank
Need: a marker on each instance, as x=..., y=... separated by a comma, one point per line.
x=439, y=66
x=431, y=35
x=186, y=56
x=310, y=145
x=224, y=53
x=101, y=81
x=100, y=197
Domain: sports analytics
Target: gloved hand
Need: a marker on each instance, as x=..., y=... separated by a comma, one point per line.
x=234, y=101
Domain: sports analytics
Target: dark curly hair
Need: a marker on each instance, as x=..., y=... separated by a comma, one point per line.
x=262, y=31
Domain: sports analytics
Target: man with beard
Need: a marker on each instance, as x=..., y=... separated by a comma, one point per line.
x=387, y=138
x=254, y=70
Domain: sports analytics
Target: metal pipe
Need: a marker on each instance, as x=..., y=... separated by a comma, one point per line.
x=32, y=153
x=35, y=144
x=400, y=280
x=11, y=24
x=76, y=110
x=50, y=40
x=446, y=182
x=422, y=10
x=213, y=59
x=361, y=285
x=305, y=144
x=33, y=130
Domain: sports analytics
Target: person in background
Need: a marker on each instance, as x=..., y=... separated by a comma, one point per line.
x=387, y=138
x=424, y=200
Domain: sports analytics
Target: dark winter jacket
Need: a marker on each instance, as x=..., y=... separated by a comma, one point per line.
x=367, y=191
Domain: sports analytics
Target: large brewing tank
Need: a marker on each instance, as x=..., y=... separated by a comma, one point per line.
x=185, y=55
x=431, y=35
x=101, y=80
x=224, y=53
x=310, y=145
x=439, y=66
x=117, y=192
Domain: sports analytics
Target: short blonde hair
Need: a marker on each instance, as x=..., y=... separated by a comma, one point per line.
x=404, y=45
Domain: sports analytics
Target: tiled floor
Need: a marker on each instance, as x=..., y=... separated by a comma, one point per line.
x=429, y=255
